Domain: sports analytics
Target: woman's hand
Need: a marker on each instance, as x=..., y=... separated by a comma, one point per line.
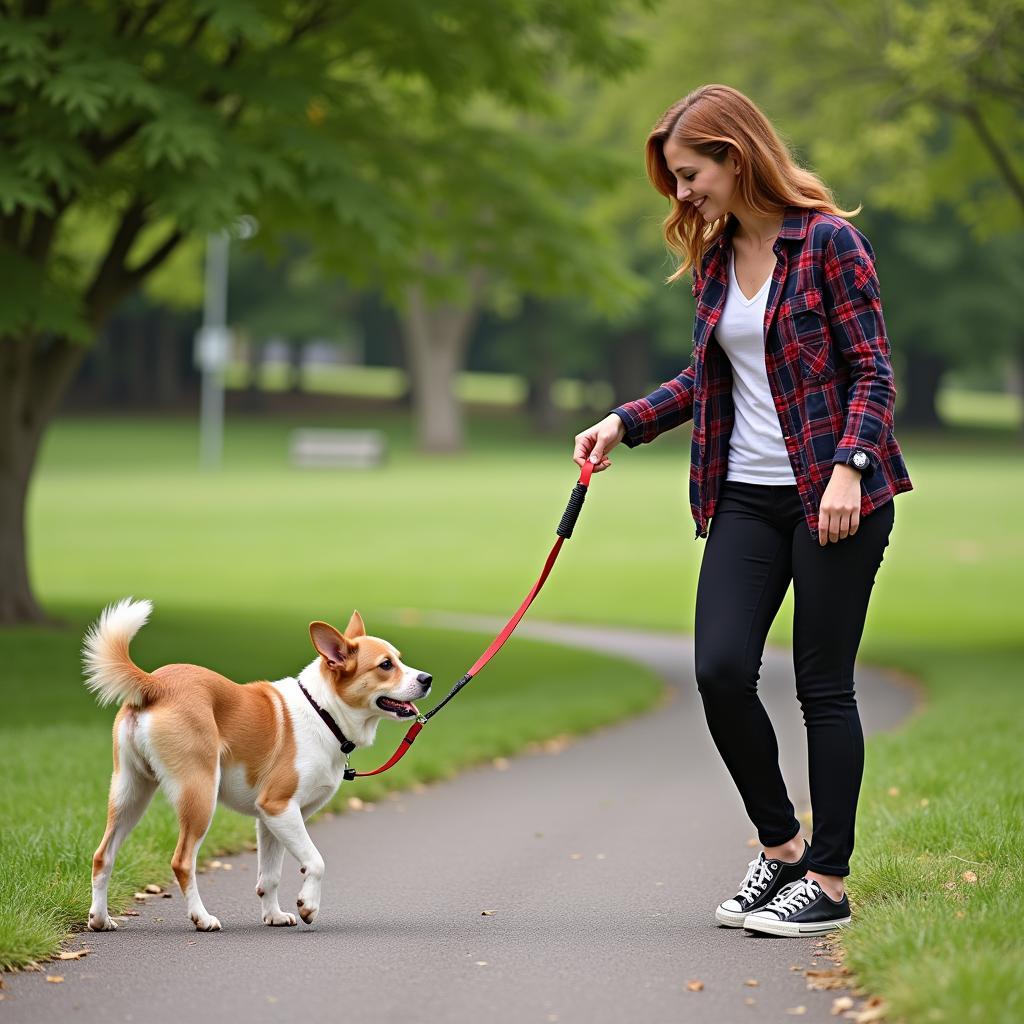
x=595, y=442
x=839, y=513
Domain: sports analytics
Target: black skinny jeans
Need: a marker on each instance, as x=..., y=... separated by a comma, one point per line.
x=757, y=543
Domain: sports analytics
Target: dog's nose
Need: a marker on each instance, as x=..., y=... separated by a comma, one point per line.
x=424, y=679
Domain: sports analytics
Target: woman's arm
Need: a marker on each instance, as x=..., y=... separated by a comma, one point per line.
x=854, y=310
x=664, y=408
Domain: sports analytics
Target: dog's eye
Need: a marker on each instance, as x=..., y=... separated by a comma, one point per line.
x=386, y=665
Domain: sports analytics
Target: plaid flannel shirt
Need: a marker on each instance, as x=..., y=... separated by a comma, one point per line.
x=827, y=358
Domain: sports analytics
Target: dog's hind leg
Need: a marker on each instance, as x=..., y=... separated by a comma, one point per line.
x=131, y=789
x=287, y=825
x=195, y=802
x=271, y=858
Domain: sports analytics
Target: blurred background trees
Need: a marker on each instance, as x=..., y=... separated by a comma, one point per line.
x=460, y=185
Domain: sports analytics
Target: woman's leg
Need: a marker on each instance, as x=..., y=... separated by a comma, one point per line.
x=744, y=576
x=831, y=588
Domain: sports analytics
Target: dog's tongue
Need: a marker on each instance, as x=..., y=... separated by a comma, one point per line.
x=405, y=708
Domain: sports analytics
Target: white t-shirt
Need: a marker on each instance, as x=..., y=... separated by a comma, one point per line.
x=757, y=452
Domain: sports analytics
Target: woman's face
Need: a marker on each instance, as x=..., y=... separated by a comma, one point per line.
x=701, y=181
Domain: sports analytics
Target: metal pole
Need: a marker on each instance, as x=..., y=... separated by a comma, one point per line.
x=212, y=345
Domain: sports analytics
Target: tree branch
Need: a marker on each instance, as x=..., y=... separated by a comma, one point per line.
x=988, y=140
x=197, y=30
x=146, y=18
x=136, y=275
x=103, y=290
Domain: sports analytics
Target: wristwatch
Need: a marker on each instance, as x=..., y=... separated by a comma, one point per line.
x=859, y=460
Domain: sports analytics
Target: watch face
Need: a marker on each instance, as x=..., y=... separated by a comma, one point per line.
x=860, y=460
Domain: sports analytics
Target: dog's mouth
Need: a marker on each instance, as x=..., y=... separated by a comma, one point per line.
x=400, y=708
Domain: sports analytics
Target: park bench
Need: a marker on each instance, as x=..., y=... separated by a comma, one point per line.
x=349, y=449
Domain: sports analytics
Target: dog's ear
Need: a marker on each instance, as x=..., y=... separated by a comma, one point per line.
x=331, y=644
x=355, y=627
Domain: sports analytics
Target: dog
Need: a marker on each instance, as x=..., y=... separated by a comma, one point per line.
x=263, y=748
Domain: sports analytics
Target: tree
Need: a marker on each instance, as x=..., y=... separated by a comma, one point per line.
x=133, y=126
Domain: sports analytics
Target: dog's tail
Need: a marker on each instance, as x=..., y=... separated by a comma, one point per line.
x=109, y=670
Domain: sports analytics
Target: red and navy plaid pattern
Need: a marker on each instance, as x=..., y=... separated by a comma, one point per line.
x=827, y=357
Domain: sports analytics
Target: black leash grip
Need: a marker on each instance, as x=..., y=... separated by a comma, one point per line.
x=572, y=511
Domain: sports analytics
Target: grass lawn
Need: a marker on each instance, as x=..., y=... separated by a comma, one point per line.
x=239, y=561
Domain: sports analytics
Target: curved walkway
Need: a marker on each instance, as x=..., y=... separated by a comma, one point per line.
x=599, y=868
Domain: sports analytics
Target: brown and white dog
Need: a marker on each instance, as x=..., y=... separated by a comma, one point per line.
x=260, y=747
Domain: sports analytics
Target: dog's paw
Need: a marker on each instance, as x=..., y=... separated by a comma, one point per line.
x=101, y=923
x=208, y=923
x=279, y=919
x=307, y=910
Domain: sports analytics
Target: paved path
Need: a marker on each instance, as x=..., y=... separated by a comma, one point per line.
x=602, y=866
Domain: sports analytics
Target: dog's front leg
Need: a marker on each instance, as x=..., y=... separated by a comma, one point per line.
x=288, y=826
x=271, y=856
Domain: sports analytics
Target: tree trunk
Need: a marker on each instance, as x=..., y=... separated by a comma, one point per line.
x=631, y=366
x=923, y=371
x=1016, y=375
x=545, y=416
x=296, y=350
x=252, y=395
x=34, y=374
x=435, y=339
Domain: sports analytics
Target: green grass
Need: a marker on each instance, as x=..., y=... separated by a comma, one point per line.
x=119, y=508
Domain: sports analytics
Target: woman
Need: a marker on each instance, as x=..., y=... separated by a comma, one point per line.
x=793, y=472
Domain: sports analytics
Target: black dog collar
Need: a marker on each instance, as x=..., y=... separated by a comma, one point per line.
x=347, y=746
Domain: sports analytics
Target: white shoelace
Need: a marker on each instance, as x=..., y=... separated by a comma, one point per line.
x=756, y=879
x=794, y=897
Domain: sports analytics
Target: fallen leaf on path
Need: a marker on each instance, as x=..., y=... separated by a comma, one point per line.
x=575, y=856
x=500, y=764
x=753, y=842
x=140, y=897
x=797, y=1011
x=823, y=981
x=355, y=804
x=131, y=913
x=153, y=890
x=871, y=1015
x=841, y=1004
x=56, y=979
x=695, y=986
x=487, y=913
x=481, y=963
x=795, y=967
x=752, y=982
x=74, y=954
x=750, y=1001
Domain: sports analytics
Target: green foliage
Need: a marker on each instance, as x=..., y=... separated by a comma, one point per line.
x=326, y=119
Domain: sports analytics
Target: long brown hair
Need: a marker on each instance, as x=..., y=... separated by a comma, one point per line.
x=710, y=120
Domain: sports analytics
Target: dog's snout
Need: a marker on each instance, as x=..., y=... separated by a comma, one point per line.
x=425, y=679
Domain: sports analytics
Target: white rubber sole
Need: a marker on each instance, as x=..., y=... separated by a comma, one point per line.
x=730, y=918
x=773, y=926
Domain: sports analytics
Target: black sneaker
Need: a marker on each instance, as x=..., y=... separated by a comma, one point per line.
x=801, y=908
x=762, y=883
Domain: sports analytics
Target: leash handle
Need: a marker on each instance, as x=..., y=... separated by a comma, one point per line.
x=572, y=513
x=576, y=499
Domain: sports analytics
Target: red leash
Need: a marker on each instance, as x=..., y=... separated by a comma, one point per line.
x=564, y=531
